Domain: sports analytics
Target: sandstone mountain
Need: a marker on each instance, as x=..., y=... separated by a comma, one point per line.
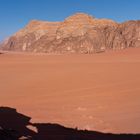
x=79, y=33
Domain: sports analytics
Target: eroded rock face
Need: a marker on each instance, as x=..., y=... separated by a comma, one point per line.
x=79, y=33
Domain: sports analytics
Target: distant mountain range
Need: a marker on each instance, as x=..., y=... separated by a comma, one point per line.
x=79, y=33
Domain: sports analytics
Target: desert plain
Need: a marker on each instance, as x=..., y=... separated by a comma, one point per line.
x=94, y=92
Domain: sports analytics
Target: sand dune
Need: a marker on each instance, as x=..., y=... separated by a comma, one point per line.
x=96, y=92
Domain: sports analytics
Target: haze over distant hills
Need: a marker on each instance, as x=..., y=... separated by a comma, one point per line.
x=79, y=33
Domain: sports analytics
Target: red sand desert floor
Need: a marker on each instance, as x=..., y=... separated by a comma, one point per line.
x=97, y=92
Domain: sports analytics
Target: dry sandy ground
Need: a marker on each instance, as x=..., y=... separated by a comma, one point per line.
x=97, y=92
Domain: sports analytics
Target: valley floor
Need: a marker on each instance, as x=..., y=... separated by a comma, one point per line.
x=95, y=92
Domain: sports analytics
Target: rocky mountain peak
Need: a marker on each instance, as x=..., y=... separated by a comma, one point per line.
x=79, y=17
x=79, y=33
x=36, y=26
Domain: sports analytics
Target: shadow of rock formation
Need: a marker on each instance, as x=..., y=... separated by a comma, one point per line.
x=11, y=120
x=13, y=126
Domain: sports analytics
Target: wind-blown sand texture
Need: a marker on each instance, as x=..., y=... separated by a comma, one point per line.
x=97, y=92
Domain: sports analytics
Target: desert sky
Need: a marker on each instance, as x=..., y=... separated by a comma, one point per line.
x=95, y=92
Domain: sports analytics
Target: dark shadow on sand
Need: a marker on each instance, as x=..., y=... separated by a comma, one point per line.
x=13, y=126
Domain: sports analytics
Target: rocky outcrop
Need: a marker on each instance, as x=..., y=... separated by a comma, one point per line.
x=79, y=33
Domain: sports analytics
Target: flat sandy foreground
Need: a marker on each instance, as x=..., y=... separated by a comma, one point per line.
x=97, y=92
